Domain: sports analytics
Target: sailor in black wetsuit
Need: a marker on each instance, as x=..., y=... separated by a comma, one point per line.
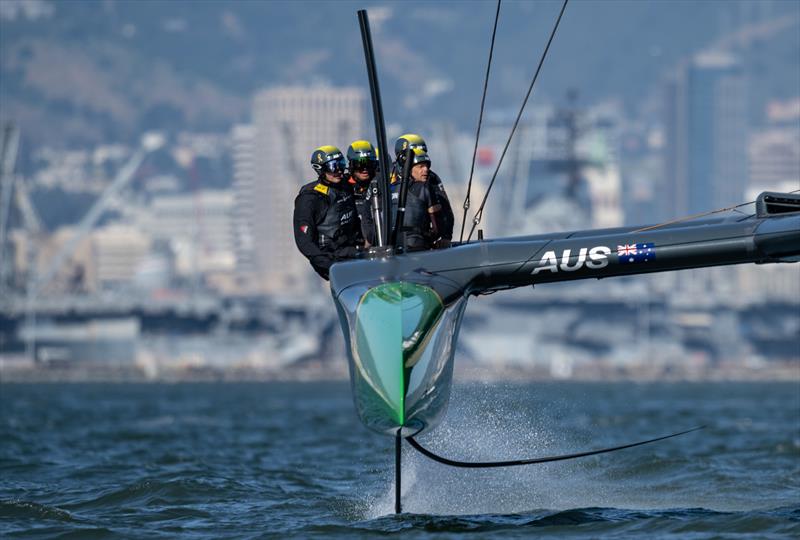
x=326, y=228
x=429, y=220
x=362, y=163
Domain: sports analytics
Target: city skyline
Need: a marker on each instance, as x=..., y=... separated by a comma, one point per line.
x=208, y=212
x=254, y=197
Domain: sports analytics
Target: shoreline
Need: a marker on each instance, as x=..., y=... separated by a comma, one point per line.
x=785, y=371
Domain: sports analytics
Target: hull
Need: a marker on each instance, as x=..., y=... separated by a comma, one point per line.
x=400, y=314
x=401, y=341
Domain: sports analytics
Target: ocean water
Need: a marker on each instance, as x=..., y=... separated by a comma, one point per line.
x=292, y=460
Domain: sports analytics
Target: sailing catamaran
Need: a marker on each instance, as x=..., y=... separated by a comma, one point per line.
x=401, y=312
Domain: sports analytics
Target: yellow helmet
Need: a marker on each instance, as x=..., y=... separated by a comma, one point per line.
x=409, y=139
x=361, y=150
x=361, y=156
x=420, y=156
x=327, y=159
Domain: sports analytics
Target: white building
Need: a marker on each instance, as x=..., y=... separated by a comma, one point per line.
x=244, y=171
x=117, y=253
x=769, y=283
x=774, y=160
x=290, y=122
x=199, y=228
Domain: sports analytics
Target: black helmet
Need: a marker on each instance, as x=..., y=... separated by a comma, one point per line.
x=362, y=155
x=328, y=159
x=409, y=139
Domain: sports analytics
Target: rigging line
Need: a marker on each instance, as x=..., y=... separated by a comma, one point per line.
x=702, y=214
x=479, y=213
x=489, y=464
x=480, y=121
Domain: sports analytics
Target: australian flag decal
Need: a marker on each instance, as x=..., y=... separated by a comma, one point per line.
x=636, y=253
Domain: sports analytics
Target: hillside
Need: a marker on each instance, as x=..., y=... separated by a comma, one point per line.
x=79, y=72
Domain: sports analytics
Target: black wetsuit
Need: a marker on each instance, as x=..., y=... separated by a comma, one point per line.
x=326, y=225
x=429, y=220
x=363, y=198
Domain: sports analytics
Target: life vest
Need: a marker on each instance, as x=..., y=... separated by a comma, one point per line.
x=428, y=215
x=340, y=224
x=363, y=200
x=416, y=218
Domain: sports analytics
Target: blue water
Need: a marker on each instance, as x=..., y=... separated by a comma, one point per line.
x=278, y=460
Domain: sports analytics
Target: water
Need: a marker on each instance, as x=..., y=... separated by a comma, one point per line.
x=277, y=460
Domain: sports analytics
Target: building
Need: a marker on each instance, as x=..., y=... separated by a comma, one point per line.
x=117, y=252
x=705, y=121
x=199, y=229
x=244, y=172
x=449, y=161
x=769, y=283
x=290, y=122
x=561, y=170
x=76, y=273
x=600, y=146
x=705, y=153
x=774, y=160
x=774, y=150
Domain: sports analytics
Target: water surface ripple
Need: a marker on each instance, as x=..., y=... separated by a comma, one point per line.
x=275, y=460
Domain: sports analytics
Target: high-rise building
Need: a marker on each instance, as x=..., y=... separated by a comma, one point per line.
x=774, y=160
x=705, y=150
x=290, y=122
x=774, y=150
x=244, y=172
x=706, y=135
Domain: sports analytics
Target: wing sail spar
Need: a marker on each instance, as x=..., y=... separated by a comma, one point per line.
x=488, y=265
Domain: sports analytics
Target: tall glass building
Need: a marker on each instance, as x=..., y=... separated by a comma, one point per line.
x=706, y=128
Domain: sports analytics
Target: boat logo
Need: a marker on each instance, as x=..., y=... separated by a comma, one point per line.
x=636, y=253
x=596, y=257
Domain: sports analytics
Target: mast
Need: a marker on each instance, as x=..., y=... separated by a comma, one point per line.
x=385, y=226
x=383, y=222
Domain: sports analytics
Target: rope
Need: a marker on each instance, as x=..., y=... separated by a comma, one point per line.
x=480, y=121
x=479, y=213
x=489, y=464
x=702, y=214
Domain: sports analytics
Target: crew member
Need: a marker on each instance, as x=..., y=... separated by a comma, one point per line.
x=433, y=227
x=403, y=142
x=326, y=226
x=428, y=220
x=362, y=162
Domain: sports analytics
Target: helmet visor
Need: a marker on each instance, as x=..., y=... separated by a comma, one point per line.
x=335, y=165
x=421, y=158
x=363, y=164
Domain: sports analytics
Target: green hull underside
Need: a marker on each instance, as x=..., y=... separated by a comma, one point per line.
x=401, y=351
